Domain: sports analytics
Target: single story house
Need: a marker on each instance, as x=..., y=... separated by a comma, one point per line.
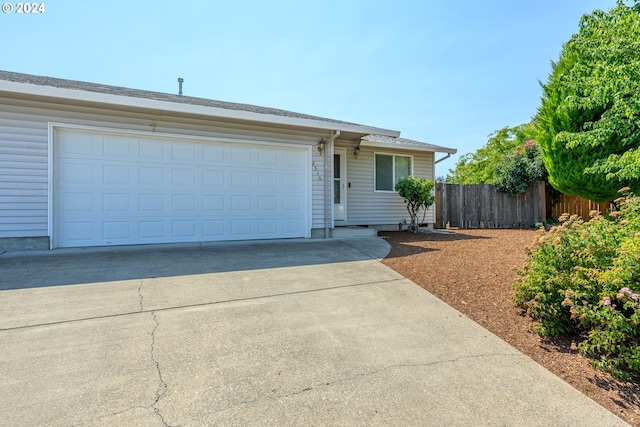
x=84, y=164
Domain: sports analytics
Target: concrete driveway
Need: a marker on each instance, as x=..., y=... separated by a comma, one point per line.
x=257, y=333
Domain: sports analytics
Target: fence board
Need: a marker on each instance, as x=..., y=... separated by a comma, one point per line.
x=574, y=205
x=482, y=206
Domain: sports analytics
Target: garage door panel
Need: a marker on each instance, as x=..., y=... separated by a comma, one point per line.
x=183, y=202
x=184, y=151
x=213, y=229
x=213, y=154
x=118, y=189
x=79, y=145
x=292, y=181
x=116, y=230
x=268, y=203
x=213, y=177
x=185, y=229
x=241, y=203
x=212, y=203
x=118, y=147
x=77, y=202
x=268, y=180
x=293, y=160
x=151, y=175
x=241, y=180
x=241, y=228
x=150, y=202
x=183, y=177
x=117, y=202
x=292, y=225
x=292, y=204
x=78, y=231
x=79, y=173
x=151, y=150
x=241, y=156
x=116, y=174
x=267, y=226
x=267, y=157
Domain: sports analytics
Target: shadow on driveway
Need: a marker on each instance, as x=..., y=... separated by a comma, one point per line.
x=21, y=270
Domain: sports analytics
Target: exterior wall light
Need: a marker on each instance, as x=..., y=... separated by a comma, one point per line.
x=356, y=152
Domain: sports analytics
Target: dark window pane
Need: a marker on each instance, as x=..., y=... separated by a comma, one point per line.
x=384, y=172
x=336, y=166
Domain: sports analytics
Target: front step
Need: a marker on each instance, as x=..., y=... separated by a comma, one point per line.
x=344, y=232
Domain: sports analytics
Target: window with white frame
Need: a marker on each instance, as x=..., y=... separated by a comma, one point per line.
x=389, y=169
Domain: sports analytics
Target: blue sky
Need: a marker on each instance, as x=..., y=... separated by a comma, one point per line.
x=447, y=72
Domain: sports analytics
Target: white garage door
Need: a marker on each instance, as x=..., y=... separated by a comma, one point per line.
x=112, y=189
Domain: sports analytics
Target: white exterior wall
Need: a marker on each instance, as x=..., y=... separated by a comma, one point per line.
x=23, y=175
x=317, y=189
x=368, y=207
x=24, y=156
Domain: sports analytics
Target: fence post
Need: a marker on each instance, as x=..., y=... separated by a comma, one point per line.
x=436, y=214
x=543, y=199
x=460, y=205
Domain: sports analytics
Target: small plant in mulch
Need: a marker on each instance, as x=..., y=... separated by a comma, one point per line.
x=583, y=278
x=418, y=196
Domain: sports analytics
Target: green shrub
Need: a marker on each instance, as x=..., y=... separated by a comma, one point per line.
x=418, y=195
x=520, y=168
x=584, y=278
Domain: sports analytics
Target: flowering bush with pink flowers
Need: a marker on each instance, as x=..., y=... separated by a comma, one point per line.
x=583, y=278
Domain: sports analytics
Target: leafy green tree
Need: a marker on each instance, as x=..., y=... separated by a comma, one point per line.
x=511, y=160
x=589, y=118
x=418, y=195
x=521, y=167
x=484, y=166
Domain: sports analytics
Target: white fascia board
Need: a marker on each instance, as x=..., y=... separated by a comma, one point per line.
x=408, y=147
x=128, y=101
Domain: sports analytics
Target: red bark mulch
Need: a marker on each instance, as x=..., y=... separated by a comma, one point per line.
x=473, y=271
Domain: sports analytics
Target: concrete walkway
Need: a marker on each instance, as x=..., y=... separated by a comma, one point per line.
x=283, y=333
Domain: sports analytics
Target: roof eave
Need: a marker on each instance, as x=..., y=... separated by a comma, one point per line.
x=409, y=147
x=120, y=100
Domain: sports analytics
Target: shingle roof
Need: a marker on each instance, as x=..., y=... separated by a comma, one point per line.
x=404, y=143
x=265, y=114
x=158, y=96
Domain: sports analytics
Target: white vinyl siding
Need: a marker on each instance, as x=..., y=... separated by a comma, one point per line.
x=370, y=207
x=23, y=176
x=24, y=153
x=317, y=185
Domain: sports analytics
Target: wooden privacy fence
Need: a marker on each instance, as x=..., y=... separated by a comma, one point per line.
x=575, y=205
x=482, y=206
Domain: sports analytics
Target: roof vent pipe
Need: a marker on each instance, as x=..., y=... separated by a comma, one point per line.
x=180, y=80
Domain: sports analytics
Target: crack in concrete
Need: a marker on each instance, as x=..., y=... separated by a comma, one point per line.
x=162, y=385
x=400, y=366
x=142, y=278
x=113, y=414
x=140, y=295
x=361, y=375
x=204, y=304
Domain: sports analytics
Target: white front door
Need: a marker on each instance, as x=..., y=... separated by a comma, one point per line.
x=339, y=186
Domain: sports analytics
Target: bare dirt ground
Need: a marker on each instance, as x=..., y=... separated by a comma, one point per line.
x=473, y=271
